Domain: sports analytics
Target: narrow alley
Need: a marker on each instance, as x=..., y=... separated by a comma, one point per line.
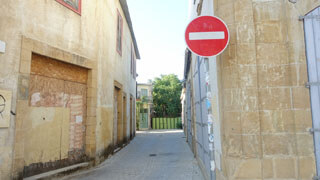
x=157, y=154
x=160, y=89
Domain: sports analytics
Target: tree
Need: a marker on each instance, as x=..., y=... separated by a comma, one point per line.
x=166, y=96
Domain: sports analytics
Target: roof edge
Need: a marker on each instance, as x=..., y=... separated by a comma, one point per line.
x=125, y=9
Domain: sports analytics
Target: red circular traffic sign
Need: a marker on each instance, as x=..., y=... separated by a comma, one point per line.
x=207, y=36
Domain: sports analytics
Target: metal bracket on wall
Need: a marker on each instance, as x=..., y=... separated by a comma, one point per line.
x=309, y=84
x=316, y=178
x=312, y=131
x=317, y=17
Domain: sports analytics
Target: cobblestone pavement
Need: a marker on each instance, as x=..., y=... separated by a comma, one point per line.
x=162, y=155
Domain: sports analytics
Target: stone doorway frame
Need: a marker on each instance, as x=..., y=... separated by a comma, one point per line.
x=29, y=46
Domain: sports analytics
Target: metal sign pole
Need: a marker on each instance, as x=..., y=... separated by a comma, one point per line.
x=207, y=10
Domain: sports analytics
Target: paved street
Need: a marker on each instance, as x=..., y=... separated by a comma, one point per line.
x=151, y=155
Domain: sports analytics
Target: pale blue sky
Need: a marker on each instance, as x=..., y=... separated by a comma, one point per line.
x=159, y=27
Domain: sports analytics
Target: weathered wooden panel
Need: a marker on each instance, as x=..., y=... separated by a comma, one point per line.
x=56, y=85
x=46, y=92
x=45, y=66
x=75, y=96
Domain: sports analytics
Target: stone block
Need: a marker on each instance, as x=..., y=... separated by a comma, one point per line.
x=277, y=121
x=246, y=54
x=233, y=34
x=234, y=145
x=249, y=169
x=250, y=122
x=272, y=54
x=92, y=92
x=267, y=168
x=23, y=87
x=26, y=55
x=279, y=76
x=232, y=123
x=279, y=144
x=251, y=146
x=295, y=31
x=25, y=67
x=268, y=10
x=18, y=150
x=227, y=16
x=27, y=43
x=303, y=120
x=230, y=77
x=231, y=100
x=243, y=11
x=56, y=53
x=299, y=74
x=262, y=76
x=305, y=144
x=307, y=168
x=92, y=102
x=274, y=98
x=229, y=56
x=297, y=52
x=270, y=32
x=248, y=99
x=91, y=111
x=285, y=168
x=247, y=76
x=300, y=96
x=245, y=32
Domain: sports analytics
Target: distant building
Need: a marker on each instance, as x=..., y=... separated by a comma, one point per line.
x=67, y=83
x=144, y=105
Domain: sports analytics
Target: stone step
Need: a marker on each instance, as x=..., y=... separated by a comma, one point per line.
x=58, y=172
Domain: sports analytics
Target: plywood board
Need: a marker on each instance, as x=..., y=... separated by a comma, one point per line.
x=46, y=92
x=5, y=108
x=45, y=66
x=75, y=96
x=47, y=136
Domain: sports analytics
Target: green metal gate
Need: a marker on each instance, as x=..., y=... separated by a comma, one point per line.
x=167, y=123
x=143, y=121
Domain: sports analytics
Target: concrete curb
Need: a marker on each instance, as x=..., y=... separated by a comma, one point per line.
x=58, y=172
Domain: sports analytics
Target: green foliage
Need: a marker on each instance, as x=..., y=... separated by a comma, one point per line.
x=166, y=96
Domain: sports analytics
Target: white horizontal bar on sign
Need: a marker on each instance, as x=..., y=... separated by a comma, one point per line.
x=206, y=35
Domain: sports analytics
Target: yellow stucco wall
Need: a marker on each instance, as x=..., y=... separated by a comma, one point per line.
x=64, y=35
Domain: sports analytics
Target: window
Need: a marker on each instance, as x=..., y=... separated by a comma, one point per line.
x=119, y=33
x=74, y=5
x=133, y=63
x=144, y=92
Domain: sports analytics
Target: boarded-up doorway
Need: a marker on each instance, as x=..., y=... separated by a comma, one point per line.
x=56, y=117
x=131, y=117
x=124, y=103
x=117, y=116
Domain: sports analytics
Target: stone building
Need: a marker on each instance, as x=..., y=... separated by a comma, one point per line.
x=264, y=92
x=67, y=83
x=144, y=98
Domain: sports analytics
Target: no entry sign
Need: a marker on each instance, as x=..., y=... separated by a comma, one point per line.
x=207, y=36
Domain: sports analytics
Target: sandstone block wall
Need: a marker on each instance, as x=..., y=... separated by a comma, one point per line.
x=265, y=107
